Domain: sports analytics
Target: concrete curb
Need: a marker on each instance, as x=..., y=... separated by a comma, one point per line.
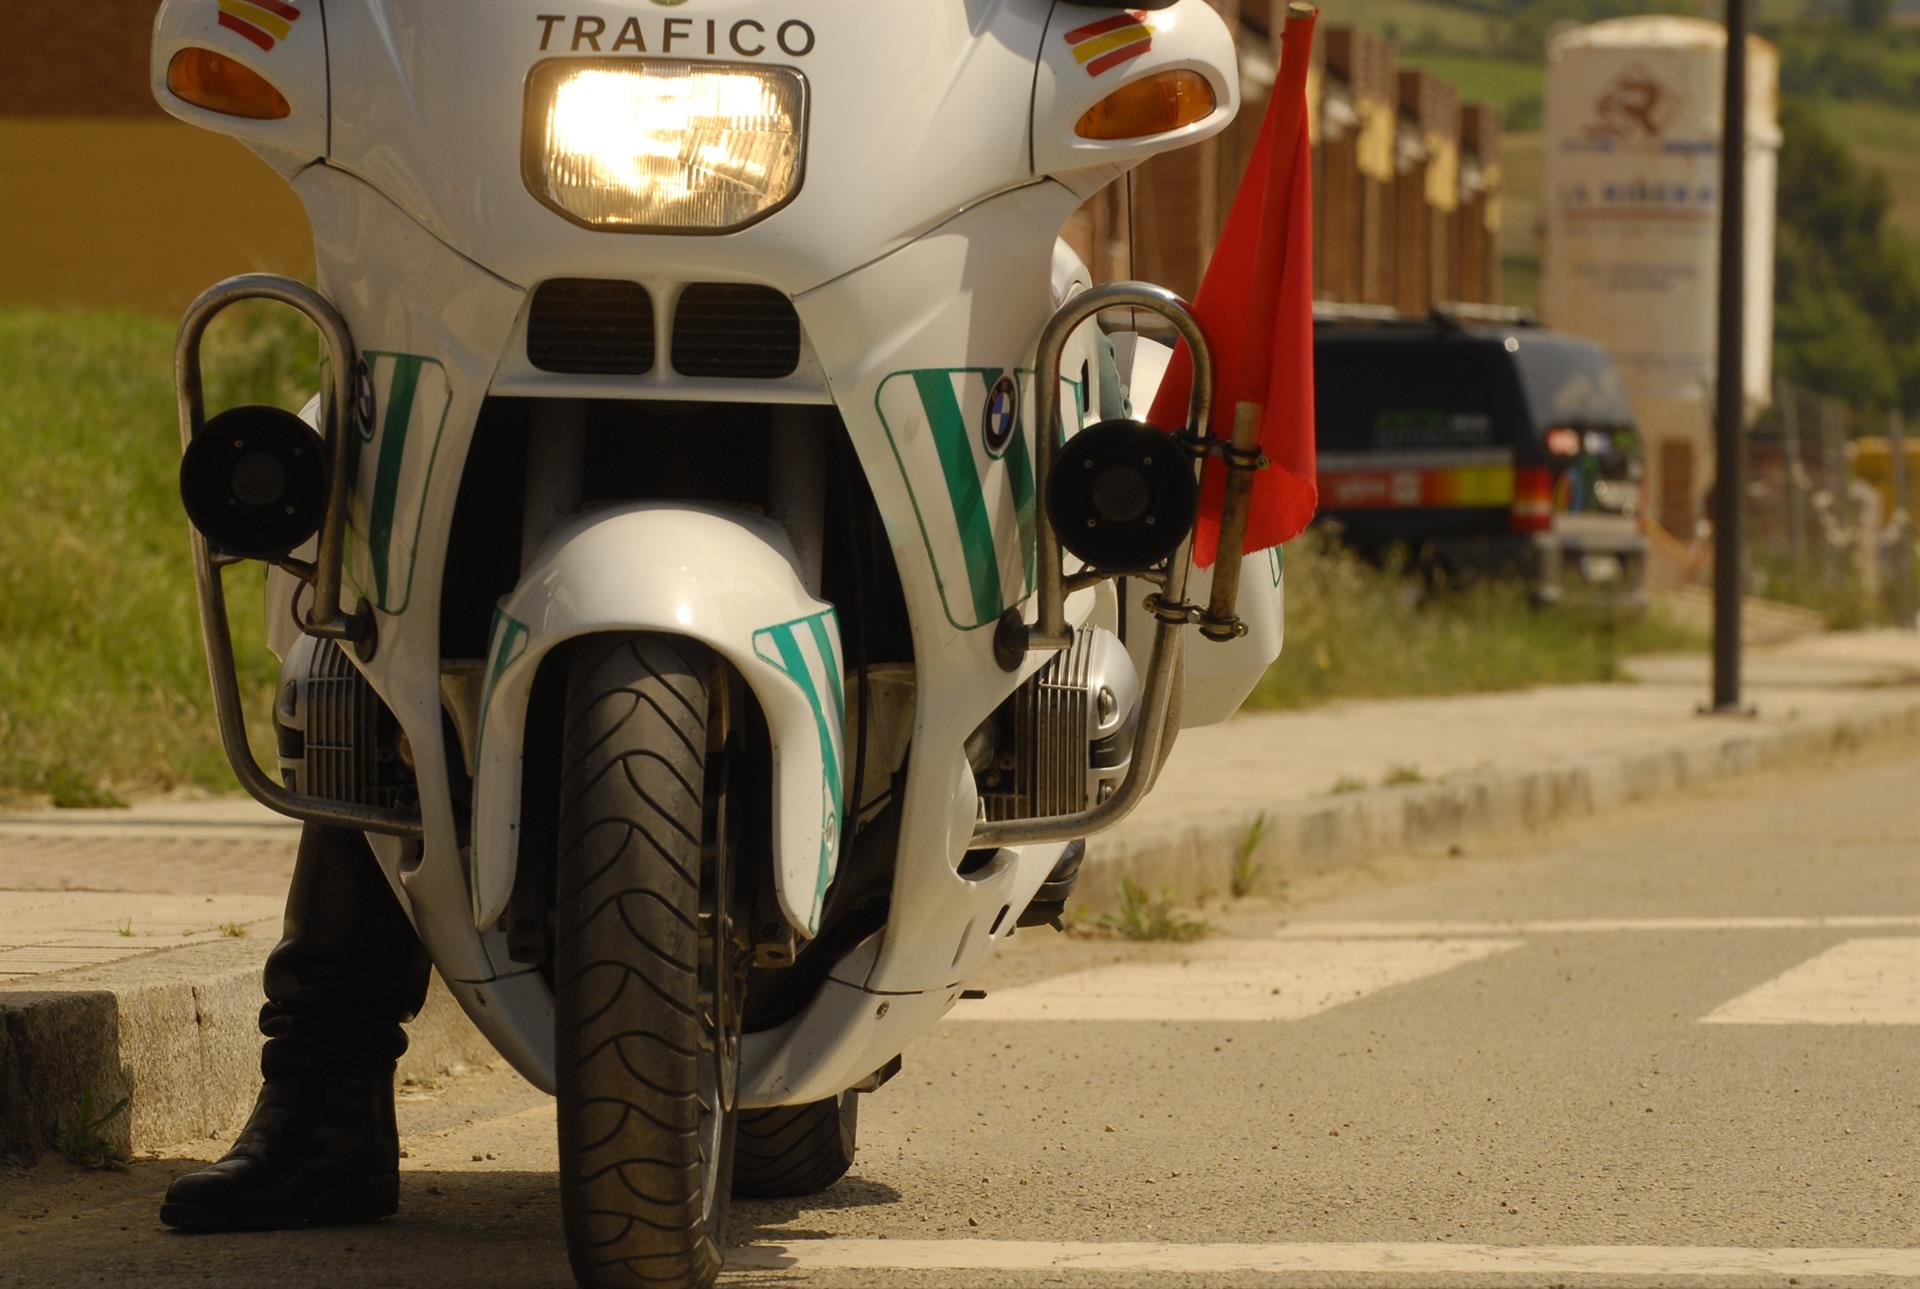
x=175, y=1033
x=1311, y=837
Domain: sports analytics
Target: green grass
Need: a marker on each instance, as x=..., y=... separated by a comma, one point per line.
x=1354, y=631
x=1416, y=24
x=1513, y=85
x=102, y=687
x=1246, y=870
x=85, y=1140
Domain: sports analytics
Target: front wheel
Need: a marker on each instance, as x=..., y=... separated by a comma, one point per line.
x=649, y=974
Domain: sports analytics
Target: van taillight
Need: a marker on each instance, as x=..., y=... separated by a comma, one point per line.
x=1532, y=499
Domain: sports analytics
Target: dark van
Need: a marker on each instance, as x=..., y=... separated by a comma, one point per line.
x=1482, y=447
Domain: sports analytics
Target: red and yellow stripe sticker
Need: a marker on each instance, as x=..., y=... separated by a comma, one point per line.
x=1103, y=45
x=263, y=22
x=1356, y=482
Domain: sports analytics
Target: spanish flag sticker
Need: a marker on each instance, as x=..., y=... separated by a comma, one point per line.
x=264, y=22
x=1101, y=45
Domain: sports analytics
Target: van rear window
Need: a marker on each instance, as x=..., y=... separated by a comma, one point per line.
x=1404, y=397
x=1572, y=383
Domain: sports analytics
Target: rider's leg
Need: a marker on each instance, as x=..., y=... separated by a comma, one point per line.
x=321, y=1144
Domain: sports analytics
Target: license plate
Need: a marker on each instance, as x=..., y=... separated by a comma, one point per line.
x=1600, y=568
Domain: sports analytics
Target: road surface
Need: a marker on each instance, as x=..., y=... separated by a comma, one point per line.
x=1676, y=1047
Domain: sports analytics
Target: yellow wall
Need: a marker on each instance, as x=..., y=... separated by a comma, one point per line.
x=139, y=213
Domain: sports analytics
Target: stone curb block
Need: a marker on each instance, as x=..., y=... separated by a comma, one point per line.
x=1310, y=838
x=184, y=1050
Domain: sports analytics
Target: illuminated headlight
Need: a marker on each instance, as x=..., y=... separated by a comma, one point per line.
x=663, y=146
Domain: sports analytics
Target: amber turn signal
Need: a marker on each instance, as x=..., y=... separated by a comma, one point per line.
x=219, y=84
x=1153, y=105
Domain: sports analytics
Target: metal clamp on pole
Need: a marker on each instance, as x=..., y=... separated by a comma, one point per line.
x=258, y=483
x=1221, y=622
x=1148, y=452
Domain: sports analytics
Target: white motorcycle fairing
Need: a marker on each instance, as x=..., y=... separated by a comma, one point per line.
x=919, y=254
x=724, y=579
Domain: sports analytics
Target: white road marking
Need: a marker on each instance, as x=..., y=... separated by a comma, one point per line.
x=1279, y=1259
x=1578, y=926
x=1232, y=980
x=1858, y=982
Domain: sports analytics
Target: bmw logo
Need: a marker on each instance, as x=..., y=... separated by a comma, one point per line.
x=998, y=420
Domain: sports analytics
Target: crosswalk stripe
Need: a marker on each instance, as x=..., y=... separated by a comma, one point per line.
x=1584, y=926
x=1743, y=1264
x=1873, y=981
x=1232, y=980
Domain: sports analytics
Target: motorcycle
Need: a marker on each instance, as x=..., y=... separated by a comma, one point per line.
x=722, y=571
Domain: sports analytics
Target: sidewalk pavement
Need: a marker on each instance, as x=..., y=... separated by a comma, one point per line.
x=131, y=941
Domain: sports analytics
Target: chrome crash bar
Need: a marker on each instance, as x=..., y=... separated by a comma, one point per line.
x=1050, y=630
x=325, y=618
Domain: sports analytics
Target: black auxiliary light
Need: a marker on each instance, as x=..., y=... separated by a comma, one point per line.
x=254, y=482
x=1122, y=497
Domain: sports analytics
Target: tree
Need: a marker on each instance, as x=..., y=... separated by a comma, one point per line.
x=1846, y=283
x=1868, y=15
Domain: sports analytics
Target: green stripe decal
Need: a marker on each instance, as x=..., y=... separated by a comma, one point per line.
x=963, y=490
x=795, y=665
x=818, y=625
x=1020, y=474
x=506, y=641
x=393, y=445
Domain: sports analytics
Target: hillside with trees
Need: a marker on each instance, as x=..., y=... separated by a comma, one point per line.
x=1847, y=282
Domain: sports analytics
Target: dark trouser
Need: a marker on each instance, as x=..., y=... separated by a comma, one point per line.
x=349, y=969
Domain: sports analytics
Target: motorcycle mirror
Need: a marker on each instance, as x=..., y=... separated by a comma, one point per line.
x=254, y=482
x=1122, y=496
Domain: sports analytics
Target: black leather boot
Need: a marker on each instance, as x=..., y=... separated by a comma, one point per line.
x=321, y=1145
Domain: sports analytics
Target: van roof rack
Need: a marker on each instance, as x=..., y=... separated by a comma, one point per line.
x=1449, y=313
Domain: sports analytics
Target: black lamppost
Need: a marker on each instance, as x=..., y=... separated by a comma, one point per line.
x=1729, y=493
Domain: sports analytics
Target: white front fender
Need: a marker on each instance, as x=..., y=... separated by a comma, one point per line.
x=724, y=578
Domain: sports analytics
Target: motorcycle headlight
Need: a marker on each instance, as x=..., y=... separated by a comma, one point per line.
x=663, y=145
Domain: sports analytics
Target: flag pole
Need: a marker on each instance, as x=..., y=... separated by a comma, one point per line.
x=1221, y=620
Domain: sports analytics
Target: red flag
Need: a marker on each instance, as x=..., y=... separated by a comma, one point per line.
x=1255, y=306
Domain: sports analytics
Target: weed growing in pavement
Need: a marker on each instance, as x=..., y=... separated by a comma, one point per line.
x=1144, y=918
x=1401, y=775
x=1346, y=783
x=1246, y=870
x=82, y=1140
x=233, y=930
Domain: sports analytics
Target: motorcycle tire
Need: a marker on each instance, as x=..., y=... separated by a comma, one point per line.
x=647, y=990
x=795, y=1150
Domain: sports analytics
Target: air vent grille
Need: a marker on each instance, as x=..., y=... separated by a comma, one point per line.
x=726, y=329
x=591, y=326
